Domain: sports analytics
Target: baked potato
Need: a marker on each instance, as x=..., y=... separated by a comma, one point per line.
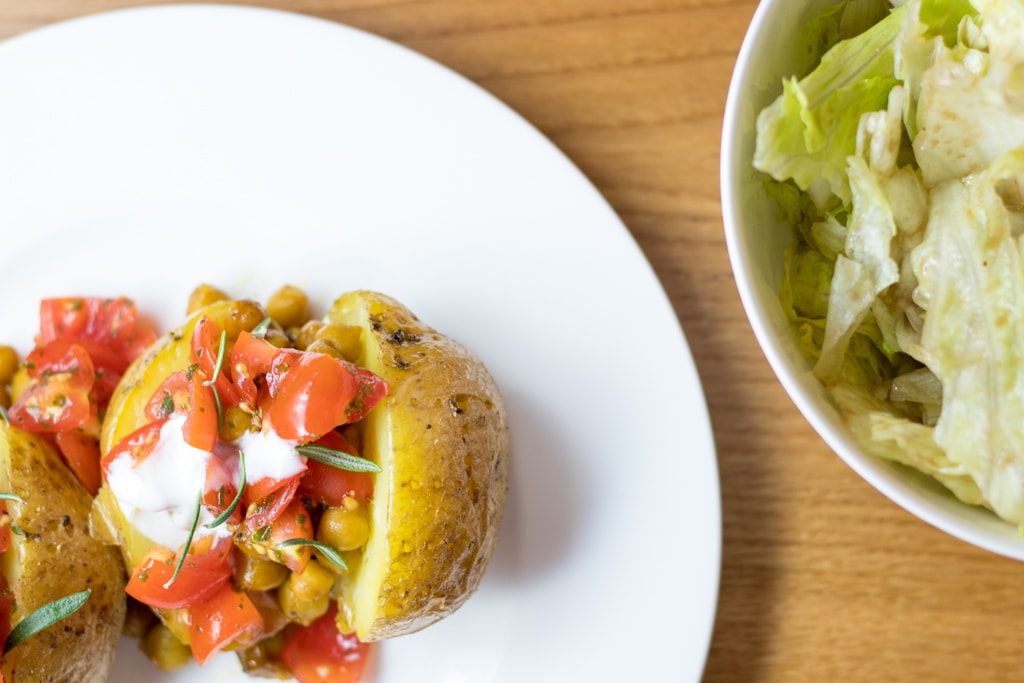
x=423, y=419
x=52, y=555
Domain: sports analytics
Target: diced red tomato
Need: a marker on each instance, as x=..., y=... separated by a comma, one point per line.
x=372, y=390
x=204, y=572
x=263, y=511
x=221, y=489
x=109, y=321
x=258, y=490
x=219, y=620
x=310, y=395
x=103, y=387
x=205, y=351
x=330, y=486
x=319, y=653
x=202, y=424
x=58, y=398
x=250, y=358
x=139, y=444
x=82, y=454
x=292, y=522
x=172, y=396
x=110, y=329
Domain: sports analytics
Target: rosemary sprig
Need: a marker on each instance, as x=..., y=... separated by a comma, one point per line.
x=339, y=459
x=322, y=548
x=44, y=617
x=223, y=517
x=220, y=358
x=213, y=380
x=3, y=414
x=11, y=496
x=260, y=331
x=188, y=541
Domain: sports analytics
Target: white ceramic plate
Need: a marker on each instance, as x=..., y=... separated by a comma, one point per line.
x=145, y=151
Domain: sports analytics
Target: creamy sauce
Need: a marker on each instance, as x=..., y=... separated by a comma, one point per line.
x=158, y=494
x=268, y=455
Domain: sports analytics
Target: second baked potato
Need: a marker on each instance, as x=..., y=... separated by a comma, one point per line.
x=51, y=556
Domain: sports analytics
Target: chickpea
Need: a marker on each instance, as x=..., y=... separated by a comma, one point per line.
x=289, y=306
x=343, y=528
x=164, y=648
x=20, y=383
x=345, y=338
x=203, y=296
x=305, y=597
x=306, y=334
x=253, y=573
x=8, y=363
x=236, y=423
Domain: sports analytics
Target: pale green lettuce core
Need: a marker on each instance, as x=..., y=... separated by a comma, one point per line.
x=899, y=160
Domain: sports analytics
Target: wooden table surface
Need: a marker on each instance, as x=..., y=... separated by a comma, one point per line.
x=823, y=579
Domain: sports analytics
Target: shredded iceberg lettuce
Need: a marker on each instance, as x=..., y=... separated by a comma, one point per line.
x=899, y=160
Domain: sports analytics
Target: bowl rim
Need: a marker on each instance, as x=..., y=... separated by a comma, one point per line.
x=962, y=521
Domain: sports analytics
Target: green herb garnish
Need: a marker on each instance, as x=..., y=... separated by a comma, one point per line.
x=5, y=416
x=223, y=517
x=322, y=548
x=220, y=358
x=260, y=331
x=339, y=459
x=188, y=540
x=11, y=496
x=45, y=616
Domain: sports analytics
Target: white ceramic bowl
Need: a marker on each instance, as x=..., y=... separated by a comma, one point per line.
x=756, y=241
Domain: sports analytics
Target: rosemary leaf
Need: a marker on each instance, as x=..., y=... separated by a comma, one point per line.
x=188, y=541
x=339, y=459
x=223, y=517
x=322, y=548
x=260, y=331
x=11, y=496
x=220, y=358
x=4, y=416
x=47, y=615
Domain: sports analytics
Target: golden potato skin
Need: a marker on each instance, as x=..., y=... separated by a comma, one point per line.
x=441, y=437
x=56, y=557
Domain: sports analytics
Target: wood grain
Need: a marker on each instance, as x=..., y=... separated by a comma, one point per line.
x=822, y=578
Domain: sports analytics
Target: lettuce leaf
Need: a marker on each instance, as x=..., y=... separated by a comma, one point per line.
x=809, y=131
x=971, y=284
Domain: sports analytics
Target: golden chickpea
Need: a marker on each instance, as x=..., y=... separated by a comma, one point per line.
x=236, y=423
x=8, y=363
x=289, y=306
x=20, y=383
x=203, y=296
x=164, y=648
x=320, y=346
x=258, y=574
x=306, y=334
x=345, y=338
x=344, y=529
x=305, y=597
x=314, y=581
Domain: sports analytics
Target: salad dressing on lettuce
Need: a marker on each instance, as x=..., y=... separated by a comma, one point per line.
x=899, y=160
